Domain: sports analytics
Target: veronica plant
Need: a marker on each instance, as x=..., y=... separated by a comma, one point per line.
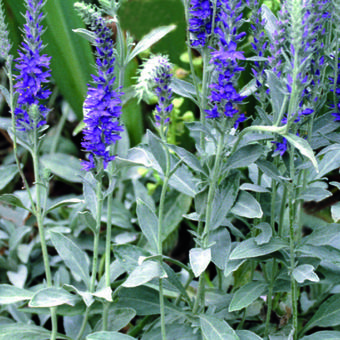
x=27, y=99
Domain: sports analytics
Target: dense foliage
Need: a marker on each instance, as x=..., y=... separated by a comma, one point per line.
x=218, y=221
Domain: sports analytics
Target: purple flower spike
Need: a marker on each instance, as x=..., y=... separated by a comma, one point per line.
x=103, y=106
x=200, y=21
x=33, y=71
x=223, y=95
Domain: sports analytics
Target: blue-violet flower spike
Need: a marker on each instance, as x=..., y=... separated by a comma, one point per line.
x=33, y=70
x=103, y=106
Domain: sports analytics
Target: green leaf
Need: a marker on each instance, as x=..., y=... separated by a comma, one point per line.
x=88, y=35
x=52, y=297
x=316, y=194
x=276, y=93
x=11, y=294
x=144, y=273
x=303, y=146
x=118, y=318
x=244, y=156
x=173, y=331
x=323, y=235
x=109, y=336
x=148, y=40
x=265, y=234
x=175, y=206
x=247, y=206
x=183, y=181
x=325, y=253
x=329, y=162
x=65, y=166
x=335, y=212
x=329, y=335
x=247, y=335
x=216, y=329
x=7, y=173
x=305, y=272
x=188, y=158
x=128, y=256
x=199, y=260
x=246, y=295
x=62, y=203
x=148, y=222
x=74, y=258
x=328, y=314
x=224, y=199
x=20, y=331
x=270, y=20
x=184, y=89
x=145, y=301
x=12, y=200
x=221, y=249
x=249, y=248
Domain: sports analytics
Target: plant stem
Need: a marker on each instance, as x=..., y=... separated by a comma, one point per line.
x=210, y=199
x=108, y=254
x=59, y=128
x=39, y=217
x=160, y=227
x=292, y=215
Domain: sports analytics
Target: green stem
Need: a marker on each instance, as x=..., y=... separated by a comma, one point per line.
x=84, y=323
x=160, y=226
x=292, y=216
x=210, y=199
x=108, y=254
x=39, y=217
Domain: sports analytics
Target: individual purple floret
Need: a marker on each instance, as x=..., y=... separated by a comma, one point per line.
x=200, y=21
x=224, y=96
x=34, y=71
x=103, y=106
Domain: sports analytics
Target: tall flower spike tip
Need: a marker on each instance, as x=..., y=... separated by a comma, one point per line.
x=200, y=21
x=224, y=96
x=155, y=77
x=5, y=45
x=33, y=70
x=103, y=106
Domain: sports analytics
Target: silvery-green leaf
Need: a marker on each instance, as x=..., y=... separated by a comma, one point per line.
x=52, y=297
x=7, y=173
x=150, y=39
x=216, y=329
x=247, y=335
x=75, y=259
x=246, y=295
x=329, y=335
x=148, y=222
x=11, y=294
x=144, y=273
x=199, y=260
x=328, y=314
x=305, y=272
x=249, y=248
x=247, y=206
x=265, y=234
x=109, y=336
